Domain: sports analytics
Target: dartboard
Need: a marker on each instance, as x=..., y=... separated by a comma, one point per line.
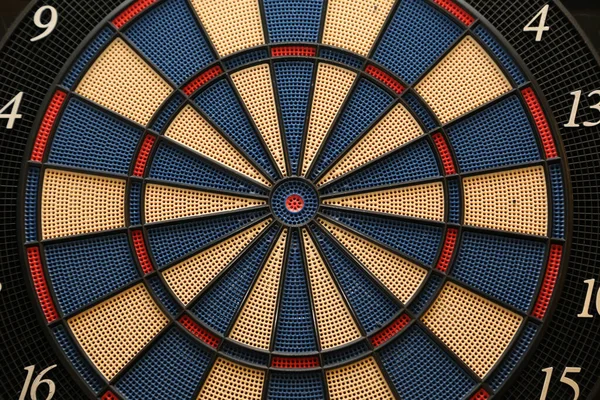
x=299, y=199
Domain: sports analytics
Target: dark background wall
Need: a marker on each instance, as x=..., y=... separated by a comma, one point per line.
x=587, y=13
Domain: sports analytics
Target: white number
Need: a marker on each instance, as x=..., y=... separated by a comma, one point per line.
x=542, y=27
x=567, y=381
x=14, y=115
x=49, y=26
x=573, y=119
x=36, y=383
x=588, y=300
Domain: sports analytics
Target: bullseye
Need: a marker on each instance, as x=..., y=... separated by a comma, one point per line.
x=294, y=203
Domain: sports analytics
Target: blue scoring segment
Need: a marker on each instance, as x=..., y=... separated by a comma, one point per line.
x=171, y=38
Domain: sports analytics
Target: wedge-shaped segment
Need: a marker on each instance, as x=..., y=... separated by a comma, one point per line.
x=188, y=278
x=123, y=82
x=422, y=201
x=474, y=328
x=402, y=277
x=464, y=80
x=75, y=204
x=332, y=87
x=193, y=131
x=514, y=201
x=113, y=332
x=335, y=324
x=163, y=203
x=254, y=325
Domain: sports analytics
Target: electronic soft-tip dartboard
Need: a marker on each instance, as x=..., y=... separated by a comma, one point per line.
x=299, y=199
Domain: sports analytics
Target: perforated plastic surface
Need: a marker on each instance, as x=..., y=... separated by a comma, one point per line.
x=420, y=369
x=86, y=270
x=486, y=141
x=474, y=328
x=189, y=277
x=75, y=203
x=133, y=320
x=418, y=32
x=506, y=268
x=173, y=164
x=515, y=201
x=354, y=24
x=332, y=86
x=423, y=201
x=232, y=25
x=163, y=203
x=123, y=82
x=418, y=241
x=171, y=242
x=231, y=381
x=170, y=37
x=471, y=87
x=89, y=375
x=365, y=105
x=91, y=139
x=84, y=59
x=295, y=330
x=372, y=306
x=413, y=163
x=197, y=275
x=219, y=304
x=397, y=128
x=174, y=361
x=293, y=84
x=361, y=380
x=334, y=321
x=293, y=21
x=256, y=89
x=254, y=325
x=298, y=386
x=399, y=275
x=220, y=104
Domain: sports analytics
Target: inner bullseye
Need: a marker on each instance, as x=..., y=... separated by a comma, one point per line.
x=294, y=203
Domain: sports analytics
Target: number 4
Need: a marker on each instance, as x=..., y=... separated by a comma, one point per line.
x=14, y=115
x=542, y=27
x=567, y=381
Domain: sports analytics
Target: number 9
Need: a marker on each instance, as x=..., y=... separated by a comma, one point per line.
x=37, y=19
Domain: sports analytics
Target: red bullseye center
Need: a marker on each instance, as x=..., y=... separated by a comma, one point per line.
x=294, y=203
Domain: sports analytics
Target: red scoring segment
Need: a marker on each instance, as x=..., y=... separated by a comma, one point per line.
x=541, y=122
x=299, y=51
x=481, y=395
x=543, y=301
x=457, y=11
x=140, y=163
x=294, y=203
x=444, y=151
x=109, y=396
x=199, y=332
x=385, y=78
x=41, y=140
x=295, y=362
x=40, y=284
x=202, y=79
x=141, y=252
x=392, y=330
x=448, y=250
x=131, y=11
